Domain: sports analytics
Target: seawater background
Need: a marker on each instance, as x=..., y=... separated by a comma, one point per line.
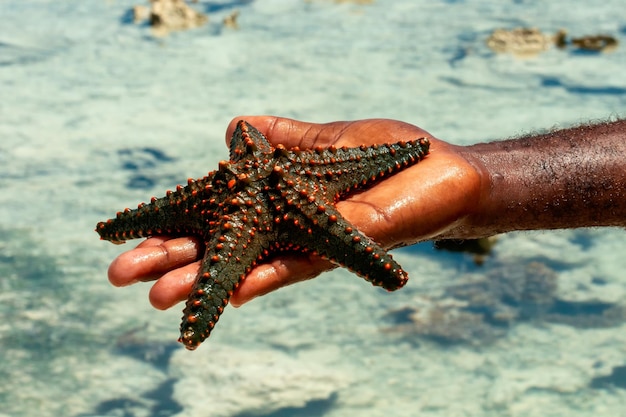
x=97, y=115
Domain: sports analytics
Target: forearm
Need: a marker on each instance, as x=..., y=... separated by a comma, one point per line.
x=563, y=179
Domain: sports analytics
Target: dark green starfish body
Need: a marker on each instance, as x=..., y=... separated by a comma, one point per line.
x=266, y=200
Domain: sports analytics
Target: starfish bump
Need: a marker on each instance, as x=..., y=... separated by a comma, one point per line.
x=266, y=200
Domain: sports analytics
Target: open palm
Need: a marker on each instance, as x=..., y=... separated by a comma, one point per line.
x=424, y=201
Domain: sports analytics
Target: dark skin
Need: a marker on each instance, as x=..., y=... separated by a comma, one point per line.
x=564, y=179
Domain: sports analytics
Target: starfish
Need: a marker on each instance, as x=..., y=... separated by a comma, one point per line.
x=263, y=201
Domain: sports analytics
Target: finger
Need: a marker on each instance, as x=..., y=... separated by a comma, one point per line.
x=174, y=286
x=282, y=130
x=279, y=272
x=305, y=135
x=152, y=258
x=153, y=241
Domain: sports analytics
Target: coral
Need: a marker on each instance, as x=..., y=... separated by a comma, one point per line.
x=169, y=15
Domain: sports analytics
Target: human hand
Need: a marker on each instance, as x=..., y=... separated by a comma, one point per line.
x=425, y=201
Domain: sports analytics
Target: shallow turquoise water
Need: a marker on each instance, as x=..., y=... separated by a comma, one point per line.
x=97, y=115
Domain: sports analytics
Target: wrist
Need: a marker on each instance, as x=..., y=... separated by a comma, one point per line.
x=563, y=179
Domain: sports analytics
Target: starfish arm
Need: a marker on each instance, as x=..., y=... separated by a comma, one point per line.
x=172, y=215
x=316, y=226
x=248, y=142
x=344, y=169
x=233, y=249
